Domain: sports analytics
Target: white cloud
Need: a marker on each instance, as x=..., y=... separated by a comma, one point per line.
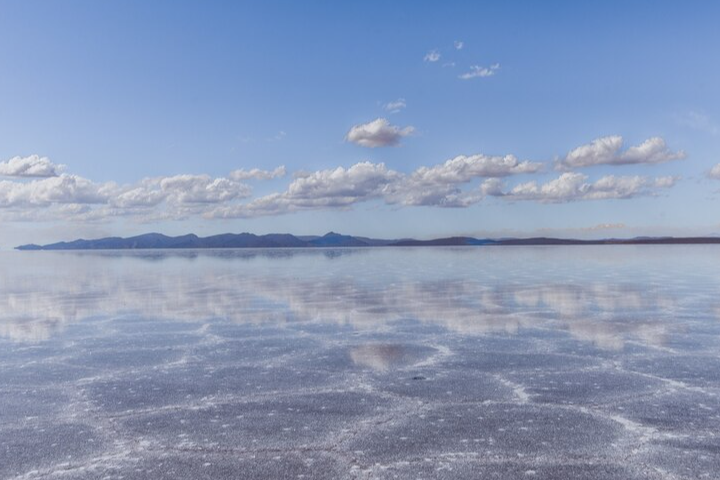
x=459, y=45
x=476, y=71
x=139, y=197
x=202, y=189
x=409, y=192
x=432, y=56
x=448, y=184
x=257, y=174
x=575, y=186
x=439, y=185
x=606, y=151
x=63, y=189
x=492, y=187
x=362, y=180
x=378, y=133
x=395, y=106
x=339, y=187
x=463, y=168
x=715, y=172
x=427, y=186
x=32, y=166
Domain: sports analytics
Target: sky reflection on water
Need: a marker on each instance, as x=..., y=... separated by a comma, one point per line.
x=604, y=295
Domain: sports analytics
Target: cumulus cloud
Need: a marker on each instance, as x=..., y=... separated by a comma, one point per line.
x=339, y=187
x=492, y=187
x=432, y=56
x=715, y=172
x=395, y=106
x=139, y=197
x=202, y=189
x=575, y=186
x=463, y=168
x=63, y=189
x=448, y=184
x=439, y=185
x=67, y=196
x=607, y=151
x=476, y=71
x=32, y=166
x=257, y=174
x=410, y=192
x=378, y=133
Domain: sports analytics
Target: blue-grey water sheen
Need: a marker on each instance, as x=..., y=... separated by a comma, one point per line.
x=502, y=363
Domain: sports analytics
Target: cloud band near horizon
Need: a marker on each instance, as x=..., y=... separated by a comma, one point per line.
x=38, y=190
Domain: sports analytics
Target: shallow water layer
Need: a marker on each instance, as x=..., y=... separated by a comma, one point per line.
x=479, y=362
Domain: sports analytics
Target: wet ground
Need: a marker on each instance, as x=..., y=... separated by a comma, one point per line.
x=481, y=362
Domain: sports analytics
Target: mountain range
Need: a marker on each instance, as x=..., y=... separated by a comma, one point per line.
x=332, y=239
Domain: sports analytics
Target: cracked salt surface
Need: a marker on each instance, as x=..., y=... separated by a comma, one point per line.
x=538, y=362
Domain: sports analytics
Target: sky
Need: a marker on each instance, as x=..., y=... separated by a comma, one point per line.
x=384, y=119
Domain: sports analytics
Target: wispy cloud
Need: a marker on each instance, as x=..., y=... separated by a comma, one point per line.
x=378, y=133
x=699, y=121
x=606, y=151
x=432, y=56
x=395, y=106
x=459, y=45
x=277, y=137
x=476, y=71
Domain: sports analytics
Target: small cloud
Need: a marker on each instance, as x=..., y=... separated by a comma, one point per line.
x=449, y=64
x=395, y=106
x=606, y=151
x=715, y=172
x=257, y=174
x=432, y=56
x=476, y=71
x=32, y=166
x=378, y=133
x=459, y=45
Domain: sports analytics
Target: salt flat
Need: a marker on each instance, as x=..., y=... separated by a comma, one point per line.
x=476, y=362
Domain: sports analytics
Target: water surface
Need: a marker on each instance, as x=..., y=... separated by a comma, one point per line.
x=475, y=362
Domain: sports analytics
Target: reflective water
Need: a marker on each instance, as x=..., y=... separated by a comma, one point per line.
x=547, y=362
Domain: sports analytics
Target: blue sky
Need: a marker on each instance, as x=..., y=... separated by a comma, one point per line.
x=150, y=107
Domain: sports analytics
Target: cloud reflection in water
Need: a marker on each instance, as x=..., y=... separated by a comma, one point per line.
x=455, y=289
